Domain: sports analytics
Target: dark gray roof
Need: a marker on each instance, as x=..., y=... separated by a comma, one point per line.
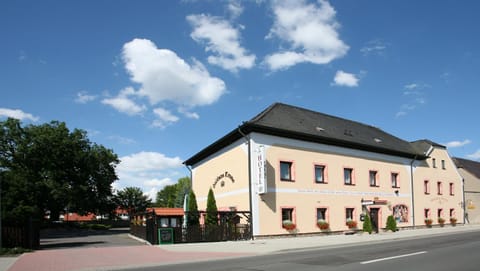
x=424, y=145
x=303, y=124
x=471, y=166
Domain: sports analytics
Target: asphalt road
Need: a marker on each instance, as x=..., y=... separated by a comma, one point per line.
x=458, y=252
x=76, y=238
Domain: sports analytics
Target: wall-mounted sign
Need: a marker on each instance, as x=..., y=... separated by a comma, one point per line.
x=221, y=179
x=165, y=236
x=261, y=169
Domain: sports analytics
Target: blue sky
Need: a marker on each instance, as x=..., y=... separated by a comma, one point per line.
x=157, y=81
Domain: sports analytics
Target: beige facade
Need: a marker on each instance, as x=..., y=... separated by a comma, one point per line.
x=278, y=178
x=470, y=171
x=438, y=189
x=472, y=196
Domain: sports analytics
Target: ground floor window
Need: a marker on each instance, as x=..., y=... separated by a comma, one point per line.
x=426, y=213
x=349, y=213
x=452, y=213
x=322, y=214
x=287, y=214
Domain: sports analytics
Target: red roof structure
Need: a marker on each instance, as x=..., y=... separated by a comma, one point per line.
x=166, y=211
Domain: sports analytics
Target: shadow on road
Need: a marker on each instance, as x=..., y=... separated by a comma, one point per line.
x=63, y=238
x=46, y=245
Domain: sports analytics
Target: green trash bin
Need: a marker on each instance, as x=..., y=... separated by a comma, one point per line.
x=165, y=236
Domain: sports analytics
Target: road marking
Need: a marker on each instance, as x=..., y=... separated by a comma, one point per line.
x=394, y=257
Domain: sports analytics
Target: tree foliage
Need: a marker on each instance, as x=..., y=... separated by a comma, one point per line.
x=50, y=168
x=212, y=211
x=133, y=200
x=173, y=195
x=367, y=224
x=391, y=223
x=193, y=217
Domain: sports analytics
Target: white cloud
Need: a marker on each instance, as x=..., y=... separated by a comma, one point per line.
x=17, y=114
x=164, y=76
x=416, y=96
x=345, y=79
x=235, y=8
x=147, y=170
x=222, y=40
x=474, y=156
x=456, y=144
x=122, y=140
x=376, y=47
x=148, y=161
x=188, y=114
x=165, y=117
x=124, y=103
x=310, y=30
x=83, y=97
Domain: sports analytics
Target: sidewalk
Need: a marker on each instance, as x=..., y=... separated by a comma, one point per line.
x=115, y=258
x=264, y=246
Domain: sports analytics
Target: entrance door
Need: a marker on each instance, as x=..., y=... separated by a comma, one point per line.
x=374, y=218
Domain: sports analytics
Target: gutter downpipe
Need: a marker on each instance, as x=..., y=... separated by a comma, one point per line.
x=250, y=200
x=412, y=189
x=464, y=203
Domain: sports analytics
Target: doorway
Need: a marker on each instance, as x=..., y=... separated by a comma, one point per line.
x=374, y=218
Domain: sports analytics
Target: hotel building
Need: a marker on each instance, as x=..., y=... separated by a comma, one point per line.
x=290, y=163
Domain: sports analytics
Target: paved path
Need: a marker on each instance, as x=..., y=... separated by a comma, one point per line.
x=112, y=258
x=108, y=258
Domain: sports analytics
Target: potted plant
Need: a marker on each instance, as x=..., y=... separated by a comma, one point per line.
x=441, y=221
x=428, y=222
x=453, y=221
x=352, y=224
x=323, y=225
x=288, y=225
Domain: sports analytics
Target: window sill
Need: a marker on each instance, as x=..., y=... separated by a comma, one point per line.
x=287, y=180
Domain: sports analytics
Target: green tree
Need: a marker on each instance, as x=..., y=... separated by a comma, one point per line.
x=133, y=200
x=212, y=211
x=167, y=196
x=173, y=195
x=367, y=224
x=391, y=223
x=192, y=214
x=48, y=168
x=183, y=189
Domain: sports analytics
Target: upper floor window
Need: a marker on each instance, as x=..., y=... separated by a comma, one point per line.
x=373, y=178
x=452, y=189
x=395, y=181
x=348, y=176
x=286, y=172
x=434, y=162
x=426, y=187
x=439, y=188
x=443, y=164
x=320, y=174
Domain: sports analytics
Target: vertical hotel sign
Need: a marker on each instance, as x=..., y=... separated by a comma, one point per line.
x=261, y=166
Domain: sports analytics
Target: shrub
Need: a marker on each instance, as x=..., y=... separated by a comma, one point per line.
x=391, y=223
x=367, y=224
